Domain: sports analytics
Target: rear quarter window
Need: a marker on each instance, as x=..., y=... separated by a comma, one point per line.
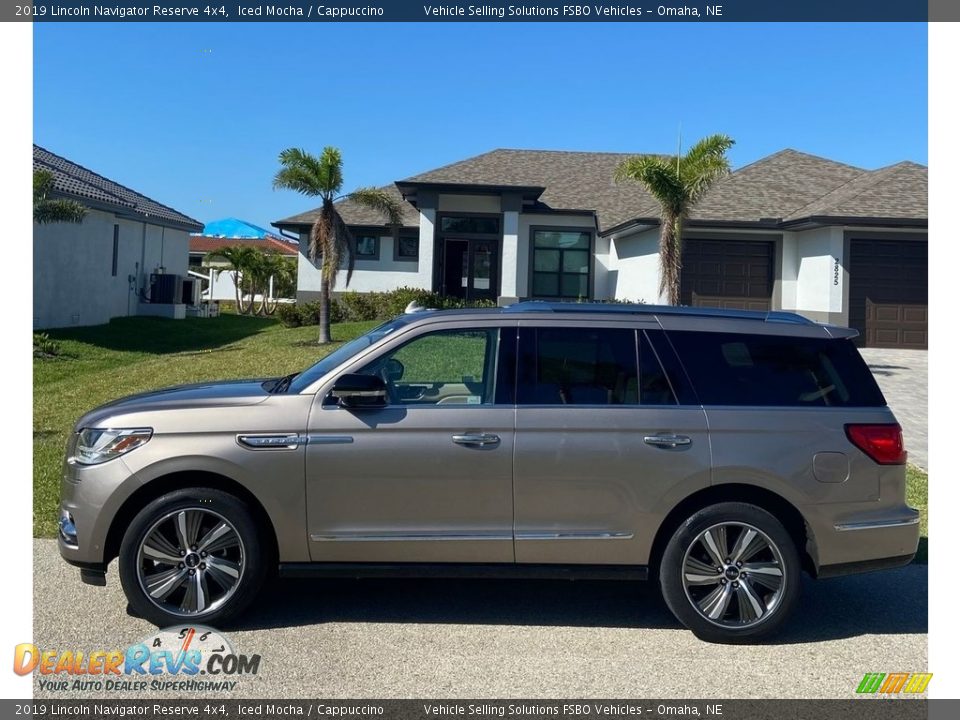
x=742, y=369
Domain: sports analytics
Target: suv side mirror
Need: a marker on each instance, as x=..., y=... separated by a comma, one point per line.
x=360, y=391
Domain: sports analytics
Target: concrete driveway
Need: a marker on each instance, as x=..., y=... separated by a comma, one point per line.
x=519, y=639
x=902, y=376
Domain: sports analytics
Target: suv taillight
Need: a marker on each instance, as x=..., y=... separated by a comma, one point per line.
x=883, y=443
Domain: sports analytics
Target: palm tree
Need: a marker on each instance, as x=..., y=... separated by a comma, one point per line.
x=241, y=261
x=281, y=272
x=677, y=183
x=46, y=210
x=331, y=241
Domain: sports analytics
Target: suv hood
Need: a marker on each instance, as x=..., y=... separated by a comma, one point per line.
x=200, y=395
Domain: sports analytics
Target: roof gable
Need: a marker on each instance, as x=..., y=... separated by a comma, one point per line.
x=773, y=187
x=896, y=191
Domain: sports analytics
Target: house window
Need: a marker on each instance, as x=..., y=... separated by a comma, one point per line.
x=368, y=247
x=472, y=225
x=561, y=264
x=408, y=247
x=116, y=250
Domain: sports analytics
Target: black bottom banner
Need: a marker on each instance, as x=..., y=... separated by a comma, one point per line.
x=856, y=709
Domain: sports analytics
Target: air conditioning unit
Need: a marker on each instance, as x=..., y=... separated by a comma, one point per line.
x=166, y=288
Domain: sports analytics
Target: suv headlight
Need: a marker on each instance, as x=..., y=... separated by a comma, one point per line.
x=98, y=445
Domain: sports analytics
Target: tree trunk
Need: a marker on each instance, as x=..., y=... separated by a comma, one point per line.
x=236, y=286
x=324, y=311
x=671, y=228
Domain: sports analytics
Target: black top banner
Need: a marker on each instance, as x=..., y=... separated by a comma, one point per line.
x=449, y=11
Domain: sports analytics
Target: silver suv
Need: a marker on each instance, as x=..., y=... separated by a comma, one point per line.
x=719, y=452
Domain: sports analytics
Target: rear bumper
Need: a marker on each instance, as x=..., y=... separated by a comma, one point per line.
x=866, y=541
x=853, y=568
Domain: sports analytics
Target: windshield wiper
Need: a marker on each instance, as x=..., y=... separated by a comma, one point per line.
x=283, y=383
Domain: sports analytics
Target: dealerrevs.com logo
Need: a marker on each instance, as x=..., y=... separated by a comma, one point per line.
x=192, y=658
x=894, y=683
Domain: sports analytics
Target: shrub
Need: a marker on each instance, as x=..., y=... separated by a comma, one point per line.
x=366, y=307
x=289, y=315
x=357, y=307
x=44, y=346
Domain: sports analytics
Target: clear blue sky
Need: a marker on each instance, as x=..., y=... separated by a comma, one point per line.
x=194, y=115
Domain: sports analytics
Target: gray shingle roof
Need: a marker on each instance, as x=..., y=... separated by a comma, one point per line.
x=787, y=185
x=896, y=191
x=354, y=214
x=82, y=184
x=573, y=180
x=773, y=187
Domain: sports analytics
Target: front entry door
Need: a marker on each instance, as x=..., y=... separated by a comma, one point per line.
x=429, y=477
x=470, y=269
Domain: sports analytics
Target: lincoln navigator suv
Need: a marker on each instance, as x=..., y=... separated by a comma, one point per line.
x=719, y=453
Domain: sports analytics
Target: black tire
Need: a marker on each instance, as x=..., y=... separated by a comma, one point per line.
x=246, y=558
x=732, y=624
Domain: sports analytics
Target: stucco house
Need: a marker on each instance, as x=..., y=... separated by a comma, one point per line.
x=792, y=231
x=88, y=273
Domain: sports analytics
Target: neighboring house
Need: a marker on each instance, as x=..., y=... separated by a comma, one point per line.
x=87, y=273
x=792, y=231
x=230, y=232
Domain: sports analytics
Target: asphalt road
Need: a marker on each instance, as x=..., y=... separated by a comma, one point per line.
x=487, y=639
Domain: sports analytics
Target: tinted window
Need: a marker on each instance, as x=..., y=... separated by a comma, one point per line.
x=577, y=366
x=654, y=385
x=736, y=369
x=561, y=264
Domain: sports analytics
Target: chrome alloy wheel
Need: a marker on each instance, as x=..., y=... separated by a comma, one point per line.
x=190, y=562
x=733, y=575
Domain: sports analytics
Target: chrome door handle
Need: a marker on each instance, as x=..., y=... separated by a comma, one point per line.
x=667, y=441
x=476, y=439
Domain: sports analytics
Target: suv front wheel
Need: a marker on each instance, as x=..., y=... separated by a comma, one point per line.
x=193, y=554
x=731, y=573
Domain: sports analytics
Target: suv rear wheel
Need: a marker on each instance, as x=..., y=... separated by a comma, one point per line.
x=193, y=554
x=731, y=573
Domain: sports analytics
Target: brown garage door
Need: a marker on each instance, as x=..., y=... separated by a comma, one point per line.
x=736, y=275
x=888, y=292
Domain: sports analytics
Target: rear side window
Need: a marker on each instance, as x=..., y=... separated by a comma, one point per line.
x=588, y=366
x=740, y=369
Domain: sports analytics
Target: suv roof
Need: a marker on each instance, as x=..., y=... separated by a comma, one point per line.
x=673, y=315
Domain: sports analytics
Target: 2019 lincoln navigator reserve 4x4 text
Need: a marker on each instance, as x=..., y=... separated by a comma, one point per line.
x=719, y=452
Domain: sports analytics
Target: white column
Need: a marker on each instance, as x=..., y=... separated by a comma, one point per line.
x=509, y=268
x=789, y=271
x=838, y=270
x=428, y=219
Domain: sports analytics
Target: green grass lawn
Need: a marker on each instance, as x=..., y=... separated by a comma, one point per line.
x=917, y=497
x=135, y=354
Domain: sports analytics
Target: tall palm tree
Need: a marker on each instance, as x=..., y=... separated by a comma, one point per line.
x=46, y=210
x=677, y=183
x=331, y=241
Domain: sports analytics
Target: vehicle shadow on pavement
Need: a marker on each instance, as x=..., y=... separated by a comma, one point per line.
x=892, y=602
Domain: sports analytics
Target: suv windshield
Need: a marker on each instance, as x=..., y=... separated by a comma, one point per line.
x=345, y=352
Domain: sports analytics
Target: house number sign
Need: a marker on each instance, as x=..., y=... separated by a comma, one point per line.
x=836, y=271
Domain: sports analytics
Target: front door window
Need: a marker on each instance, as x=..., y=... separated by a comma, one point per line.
x=470, y=269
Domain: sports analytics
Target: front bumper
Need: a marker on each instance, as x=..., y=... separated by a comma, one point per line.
x=90, y=497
